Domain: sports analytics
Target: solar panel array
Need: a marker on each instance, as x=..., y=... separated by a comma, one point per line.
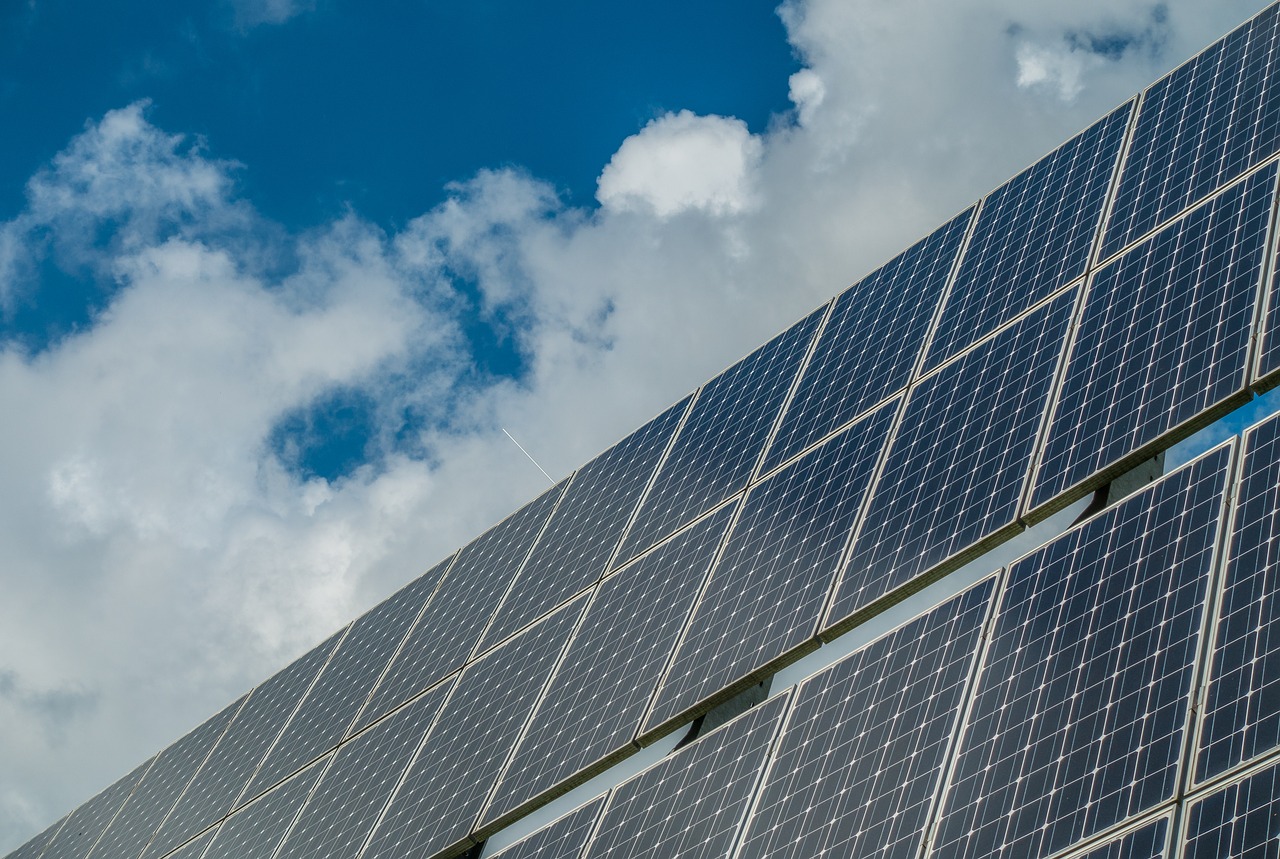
x=1113, y=693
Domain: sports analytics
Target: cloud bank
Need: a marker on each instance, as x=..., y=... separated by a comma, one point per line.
x=169, y=533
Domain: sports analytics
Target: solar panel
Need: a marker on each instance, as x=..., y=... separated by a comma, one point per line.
x=864, y=748
x=449, y=781
x=341, y=813
x=692, y=802
x=257, y=829
x=1204, y=124
x=600, y=692
x=329, y=708
x=1033, y=236
x=221, y=780
x=1241, y=713
x=446, y=633
x=1150, y=841
x=771, y=584
x=35, y=846
x=1162, y=342
x=1238, y=820
x=560, y=839
x=716, y=451
x=572, y=552
x=870, y=345
x=1080, y=710
x=86, y=824
x=956, y=465
x=151, y=800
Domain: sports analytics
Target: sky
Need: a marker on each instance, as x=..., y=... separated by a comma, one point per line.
x=276, y=275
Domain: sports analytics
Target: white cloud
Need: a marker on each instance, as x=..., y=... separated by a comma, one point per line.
x=160, y=557
x=681, y=162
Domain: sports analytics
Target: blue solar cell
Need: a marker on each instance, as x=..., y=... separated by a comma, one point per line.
x=1237, y=821
x=560, y=839
x=257, y=829
x=599, y=694
x=155, y=795
x=863, y=751
x=584, y=531
x=1200, y=127
x=1033, y=236
x=86, y=824
x=716, y=452
x=1081, y=708
x=447, y=631
x=1162, y=343
x=1241, y=714
x=870, y=345
x=771, y=584
x=956, y=466
x=448, y=783
x=322, y=720
x=341, y=813
x=226, y=772
x=692, y=803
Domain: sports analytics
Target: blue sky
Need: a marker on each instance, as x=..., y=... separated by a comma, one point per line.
x=275, y=277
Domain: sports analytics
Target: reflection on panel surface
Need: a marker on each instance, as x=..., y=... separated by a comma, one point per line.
x=861, y=755
x=1080, y=710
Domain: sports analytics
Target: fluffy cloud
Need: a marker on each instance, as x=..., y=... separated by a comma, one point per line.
x=681, y=162
x=164, y=551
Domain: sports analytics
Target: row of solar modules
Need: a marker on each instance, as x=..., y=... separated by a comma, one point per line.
x=1047, y=710
x=1108, y=300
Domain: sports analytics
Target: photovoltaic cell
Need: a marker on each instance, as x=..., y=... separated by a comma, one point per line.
x=957, y=463
x=447, y=784
x=344, y=685
x=1163, y=338
x=84, y=825
x=717, y=449
x=599, y=694
x=257, y=829
x=447, y=632
x=862, y=753
x=572, y=552
x=691, y=804
x=1237, y=821
x=771, y=583
x=1241, y=715
x=1200, y=127
x=1080, y=710
x=870, y=344
x=221, y=780
x=341, y=813
x=561, y=839
x=1145, y=842
x=1033, y=236
x=155, y=795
